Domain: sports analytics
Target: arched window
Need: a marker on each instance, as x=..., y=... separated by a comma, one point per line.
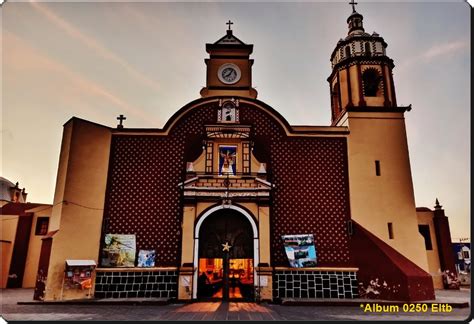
x=367, y=49
x=335, y=100
x=371, y=80
x=348, y=51
x=228, y=113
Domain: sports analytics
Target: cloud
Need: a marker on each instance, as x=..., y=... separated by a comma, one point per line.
x=94, y=44
x=435, y=52
x=17, y=53
x=444, y=49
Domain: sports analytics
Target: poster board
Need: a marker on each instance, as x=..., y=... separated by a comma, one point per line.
x=119, y=250
x=146, y=258
x=78, y=274
x=300, y=250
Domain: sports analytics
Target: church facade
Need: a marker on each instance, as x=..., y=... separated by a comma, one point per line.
x=228, y=197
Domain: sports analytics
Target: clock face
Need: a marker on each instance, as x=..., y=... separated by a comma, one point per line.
x=229, y=73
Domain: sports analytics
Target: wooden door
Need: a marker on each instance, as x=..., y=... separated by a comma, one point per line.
x=43, y=265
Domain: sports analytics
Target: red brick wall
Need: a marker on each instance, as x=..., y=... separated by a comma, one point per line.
x=311, y=194
x=310, y=174
x=142, y=192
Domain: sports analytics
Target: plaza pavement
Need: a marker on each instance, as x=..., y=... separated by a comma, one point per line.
x=219, y=311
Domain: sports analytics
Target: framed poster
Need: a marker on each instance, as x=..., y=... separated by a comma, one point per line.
x=227, y=159
x=300, y=250
x=146, y=258
x=119, y=250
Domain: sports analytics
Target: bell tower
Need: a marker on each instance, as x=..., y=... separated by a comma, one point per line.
x=361, y=78
x=229, y=67
x=363, y=99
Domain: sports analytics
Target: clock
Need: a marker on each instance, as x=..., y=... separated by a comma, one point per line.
x=229, y=73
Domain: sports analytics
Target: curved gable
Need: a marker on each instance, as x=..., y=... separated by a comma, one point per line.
x=194, y=110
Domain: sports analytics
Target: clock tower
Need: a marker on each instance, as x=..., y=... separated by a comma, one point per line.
x=229, y=68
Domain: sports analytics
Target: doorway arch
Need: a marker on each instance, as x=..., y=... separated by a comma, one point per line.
x=197, y=231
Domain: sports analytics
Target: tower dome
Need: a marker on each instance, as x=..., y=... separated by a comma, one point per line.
x=361, y=74
x=10, y=192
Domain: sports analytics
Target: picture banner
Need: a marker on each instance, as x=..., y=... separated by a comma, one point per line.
x=300, y=250
x=227, y=160
x=146, y=258
x=119, y=250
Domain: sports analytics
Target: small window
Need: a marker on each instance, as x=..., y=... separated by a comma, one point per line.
x=335, y=99
x=371, y=80
x=42, y=226
x=390, y=231
x=377, y=168
x=367, y=49
x=425, y=231
x=348, y=51
x=465, y=253
x=228, y=112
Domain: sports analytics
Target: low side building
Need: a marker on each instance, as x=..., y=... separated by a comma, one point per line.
x=23, y=225
x=433, y=225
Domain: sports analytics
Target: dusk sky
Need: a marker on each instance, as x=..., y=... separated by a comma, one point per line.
x=146, y=60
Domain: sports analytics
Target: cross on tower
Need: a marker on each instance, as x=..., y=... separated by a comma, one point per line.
x=121, y=118
x=353, y=3
x=229, y=23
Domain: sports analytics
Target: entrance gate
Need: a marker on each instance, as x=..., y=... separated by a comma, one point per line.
x=225, y=255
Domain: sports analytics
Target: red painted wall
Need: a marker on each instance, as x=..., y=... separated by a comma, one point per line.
x=386, y=274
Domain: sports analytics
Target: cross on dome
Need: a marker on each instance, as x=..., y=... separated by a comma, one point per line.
x=353, y=3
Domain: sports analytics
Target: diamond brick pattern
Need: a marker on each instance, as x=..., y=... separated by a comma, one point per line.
x=309, y=173
x=315, y=284
x=312, y=190
x=142, y=194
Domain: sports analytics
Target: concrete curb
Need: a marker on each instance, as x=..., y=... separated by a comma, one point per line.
x=117, y=301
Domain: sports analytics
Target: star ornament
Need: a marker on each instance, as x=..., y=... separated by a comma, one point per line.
x=226, y=247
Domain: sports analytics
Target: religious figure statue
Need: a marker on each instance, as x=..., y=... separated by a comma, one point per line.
x=227, y=162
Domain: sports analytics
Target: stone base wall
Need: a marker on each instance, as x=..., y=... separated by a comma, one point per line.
x=314, y=284
x=136, y=284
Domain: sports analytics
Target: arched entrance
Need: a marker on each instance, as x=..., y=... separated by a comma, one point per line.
x=226, y=252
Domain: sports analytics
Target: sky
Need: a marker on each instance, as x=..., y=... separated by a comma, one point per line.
x=97, y=60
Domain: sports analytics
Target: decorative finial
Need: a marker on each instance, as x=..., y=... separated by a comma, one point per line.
x=121, y=118
x=229, y=23
x=437, y=206
x=353, y=5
